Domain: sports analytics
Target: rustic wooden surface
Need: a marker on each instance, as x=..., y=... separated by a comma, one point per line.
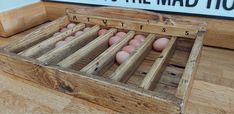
x=212, y=92
x=219, y=32
x=31, y=15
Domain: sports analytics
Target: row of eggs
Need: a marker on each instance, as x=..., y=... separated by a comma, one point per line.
x=126, y=51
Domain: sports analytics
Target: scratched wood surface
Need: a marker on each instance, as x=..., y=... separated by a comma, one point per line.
x=212, y=91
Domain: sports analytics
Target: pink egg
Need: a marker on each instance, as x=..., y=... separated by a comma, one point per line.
x=86, y=29
x=60, y=43
x=71, y=25
x=141, y=38
x=160, y=44
x=121, y=34
x=78, y=33
x=122, y=56
x=114, y=40
x=64, y=29
x=135, y=43
x=70, y=38
x=102, y=31
x=57, y=33
x=130, y=49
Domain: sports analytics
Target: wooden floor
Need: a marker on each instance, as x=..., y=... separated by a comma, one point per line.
x=212, y=92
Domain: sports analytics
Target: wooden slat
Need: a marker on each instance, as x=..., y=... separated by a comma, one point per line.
x=154, y=74
x=83, y=52
x=48, y=44
x=149, y=26
x=106, y=57
x=124, y=71
x=37, y=35
x=186, y=81
x=59, y=53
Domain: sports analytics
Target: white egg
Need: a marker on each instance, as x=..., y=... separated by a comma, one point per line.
x=78, y=33
x=114, y=40
x=122, y=56
x=135, y=43
x=121, y=34
x=130, y=49
x=86, y=29
x=160, y=44
x=71, y=25
x=102, y=31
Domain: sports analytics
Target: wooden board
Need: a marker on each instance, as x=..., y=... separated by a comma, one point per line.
x=113, y=92
x=219, y=31
x=20, y=19
x=199, y=100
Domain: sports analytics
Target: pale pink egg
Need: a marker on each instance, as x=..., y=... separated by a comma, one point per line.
x=114, y=40
x=102, y=31
x=64, y=29
x=130, y=49
x=135, y=43
x=70, y=38
x=71, y=25
x=60, y=43
x=160, y=44
x=86, y=29
x=57, y=33
x=121, y=34
x=122, y=56
x=141, y=38
x=78, y=33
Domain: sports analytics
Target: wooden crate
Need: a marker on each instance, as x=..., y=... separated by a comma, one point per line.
x=148, y=82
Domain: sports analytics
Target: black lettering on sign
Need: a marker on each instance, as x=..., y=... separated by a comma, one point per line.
x=176, y=1
x=164, y=2
x=189, y=4
x=137, y=1
x=226, y=7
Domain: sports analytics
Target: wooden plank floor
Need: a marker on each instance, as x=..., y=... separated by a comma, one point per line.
x=212, y=92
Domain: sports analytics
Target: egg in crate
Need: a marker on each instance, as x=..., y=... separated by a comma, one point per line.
x=129, y=49
x=121, y=34
x=140, y=38
x=122, y=56
x=71, y=25
x=114, y=40
x=160, y=44
x=78, y=33
x=135, y=43
x=102, y=31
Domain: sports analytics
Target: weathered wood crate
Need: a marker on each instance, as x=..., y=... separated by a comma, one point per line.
x=148, y=82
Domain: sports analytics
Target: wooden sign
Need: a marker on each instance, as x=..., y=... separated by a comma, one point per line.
x=220, y=8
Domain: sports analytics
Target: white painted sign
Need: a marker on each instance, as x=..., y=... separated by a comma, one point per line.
x=223, y=8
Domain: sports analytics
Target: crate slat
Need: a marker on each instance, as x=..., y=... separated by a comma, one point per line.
x=83, y=52
x=38, y=35
x=123, y=72
x=106, y=57
x=49, y=43
x=186, y=80
x=59, y=53
x=153, y=75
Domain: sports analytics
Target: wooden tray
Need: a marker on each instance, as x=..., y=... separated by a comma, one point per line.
x=148, y=82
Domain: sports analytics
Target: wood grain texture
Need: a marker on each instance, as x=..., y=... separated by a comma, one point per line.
x=38, y=35
x=20, y=19
x=21, y=96
x=216, y=67
x=219, y=32
x=113, y=95
x=208, y=98
x=153, y=76
x=213, y=65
